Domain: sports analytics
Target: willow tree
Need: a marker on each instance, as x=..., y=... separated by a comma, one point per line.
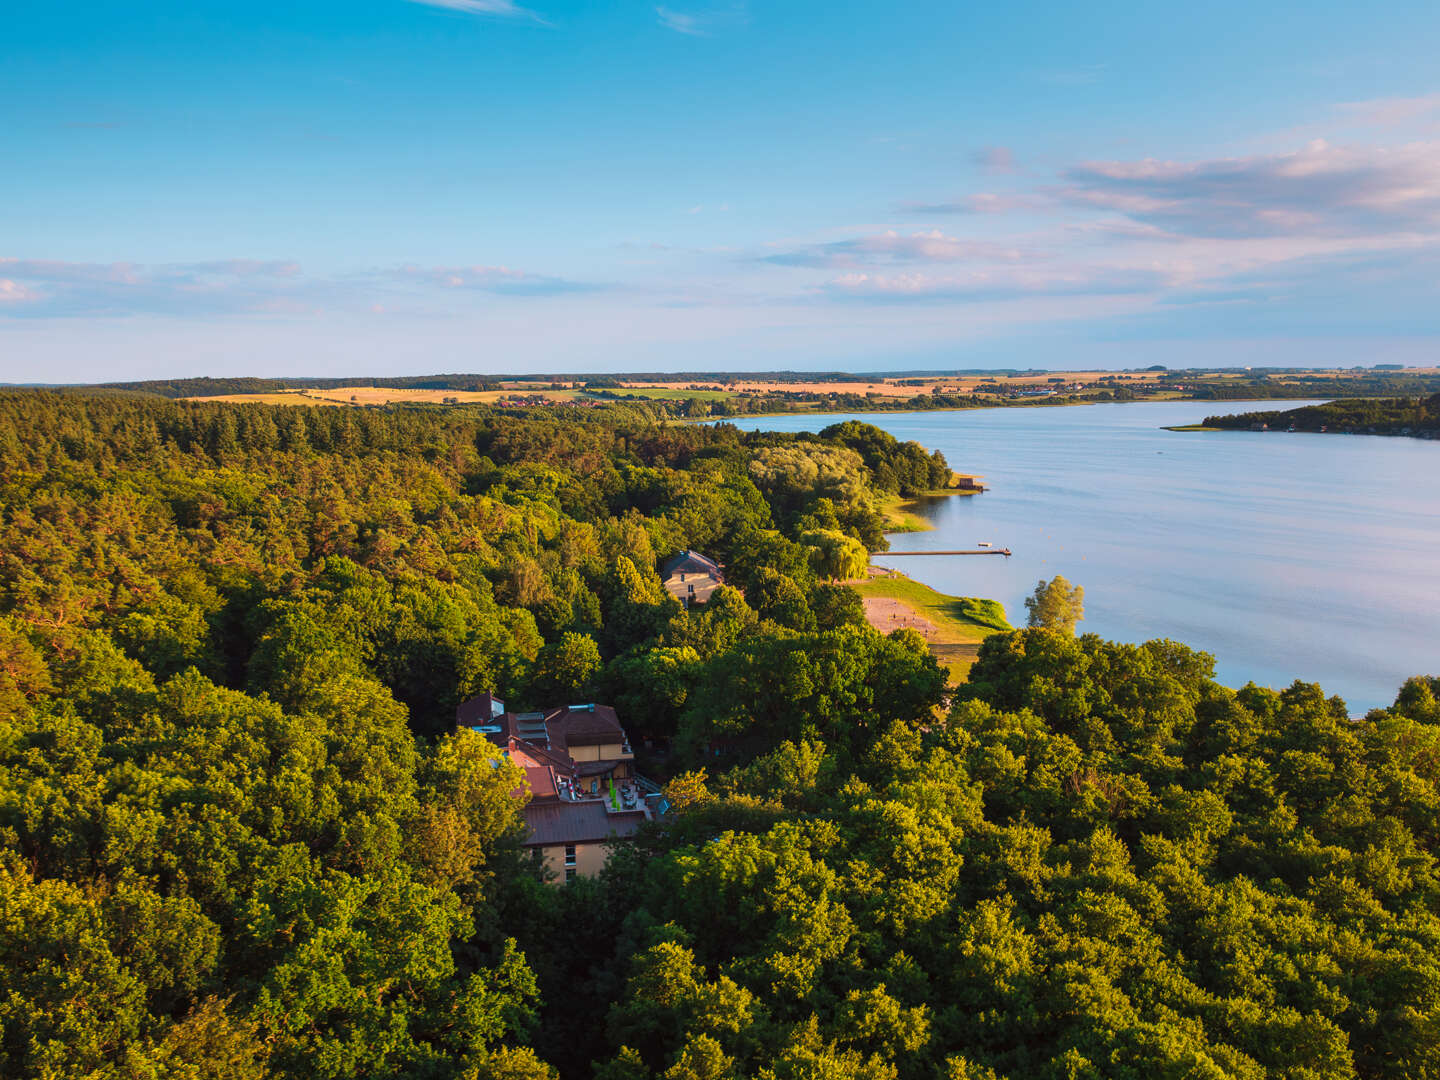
x=1056, y=605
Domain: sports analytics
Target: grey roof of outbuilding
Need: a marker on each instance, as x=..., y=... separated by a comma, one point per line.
x=576, y=823
x=476, y=710
x=691, y=562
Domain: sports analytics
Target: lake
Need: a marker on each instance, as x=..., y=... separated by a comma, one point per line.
x=1284, y=555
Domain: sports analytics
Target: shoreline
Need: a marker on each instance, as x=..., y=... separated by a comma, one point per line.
x=900, y=514
x=984, y=408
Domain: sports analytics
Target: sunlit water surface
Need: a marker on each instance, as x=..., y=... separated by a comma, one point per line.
x=1284, y=555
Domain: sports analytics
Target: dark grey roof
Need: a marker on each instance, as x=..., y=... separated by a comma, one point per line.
x=481, y=709
x=576, y=823
x=691, y=562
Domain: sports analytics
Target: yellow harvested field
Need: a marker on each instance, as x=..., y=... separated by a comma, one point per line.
x=884, y=387
x=279, y=397
x=385, y=395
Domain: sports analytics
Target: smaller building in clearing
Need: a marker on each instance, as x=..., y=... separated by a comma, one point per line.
x=690, y=577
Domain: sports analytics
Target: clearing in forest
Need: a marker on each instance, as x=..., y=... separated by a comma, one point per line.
x=954, y=626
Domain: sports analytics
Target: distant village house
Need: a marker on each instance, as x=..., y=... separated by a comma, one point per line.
x=690, y=577
x=580, y=770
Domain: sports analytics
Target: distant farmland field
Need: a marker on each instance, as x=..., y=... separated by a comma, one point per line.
x=386, y=395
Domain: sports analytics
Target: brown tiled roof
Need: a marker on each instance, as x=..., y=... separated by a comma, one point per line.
x=536, y=754
x=590, y=726
x=542, y=781
x=576, y=823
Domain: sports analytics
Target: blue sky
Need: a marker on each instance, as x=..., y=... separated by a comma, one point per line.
x=401, y=186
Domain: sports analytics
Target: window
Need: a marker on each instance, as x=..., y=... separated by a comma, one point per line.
x=692, y=590
x=570, y=873
x=569, y=854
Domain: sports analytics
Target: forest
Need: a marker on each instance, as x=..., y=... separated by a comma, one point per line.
x=240, y=837
x=1418, y=417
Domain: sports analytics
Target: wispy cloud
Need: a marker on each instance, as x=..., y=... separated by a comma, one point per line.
x=500, y=9
x=702, y=23
x=1256, y=229
x=12, y=292
x=986, y=202
x=1318, y=190
x=989, y=285
x=492, y=279
x=38, y=288
x=891, y=247
x=1392, y=111
x=995, y=159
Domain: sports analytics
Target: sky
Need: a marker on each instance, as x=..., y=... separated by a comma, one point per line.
x=415, y=186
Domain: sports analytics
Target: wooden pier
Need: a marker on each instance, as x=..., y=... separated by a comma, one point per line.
x=983, y=551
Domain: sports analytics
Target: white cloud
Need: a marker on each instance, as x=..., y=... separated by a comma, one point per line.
x=993, y=285
x=680, y=22
x=503, y=9
x=12, y=292
x=1392, y=111
x=931, y=246
x=702, y=23
x=985, y=202
x=53, y=289
x=1318, y=190
x=996, y=159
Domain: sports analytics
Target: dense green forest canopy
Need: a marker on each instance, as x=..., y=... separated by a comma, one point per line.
x=238, y=837
x=1414, y=416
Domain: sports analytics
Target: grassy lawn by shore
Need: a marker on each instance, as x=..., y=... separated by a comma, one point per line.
x=900, y=518
x=953, y=625
x=1191, y=427
x=901, y=515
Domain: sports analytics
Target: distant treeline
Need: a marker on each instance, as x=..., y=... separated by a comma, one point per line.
x=1418, y=417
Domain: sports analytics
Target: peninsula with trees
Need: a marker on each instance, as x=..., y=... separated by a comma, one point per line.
x=1415, y=417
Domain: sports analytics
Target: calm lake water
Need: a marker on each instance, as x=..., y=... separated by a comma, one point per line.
x=1285, y=556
